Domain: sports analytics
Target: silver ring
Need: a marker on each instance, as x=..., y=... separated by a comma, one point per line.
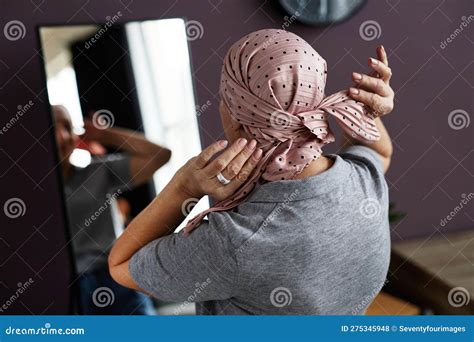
x=222, y=179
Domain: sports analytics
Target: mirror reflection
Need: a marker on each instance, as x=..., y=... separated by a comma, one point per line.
x=109, y=87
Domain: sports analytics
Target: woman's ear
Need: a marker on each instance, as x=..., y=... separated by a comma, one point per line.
x=242, y=132
x=232, y=129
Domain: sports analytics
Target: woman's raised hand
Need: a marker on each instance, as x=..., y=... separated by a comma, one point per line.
x=199, y=176
x=374, y=90
x=91, y=132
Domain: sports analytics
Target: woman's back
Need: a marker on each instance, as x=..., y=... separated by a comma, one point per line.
x=319, y=245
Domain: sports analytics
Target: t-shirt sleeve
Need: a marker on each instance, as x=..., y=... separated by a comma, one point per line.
x=194, y=268
x=117, y=169
x=364, y=155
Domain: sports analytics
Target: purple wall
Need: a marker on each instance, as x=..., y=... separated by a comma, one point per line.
x=432, y=165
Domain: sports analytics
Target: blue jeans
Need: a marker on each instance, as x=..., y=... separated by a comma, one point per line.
x=101, y=295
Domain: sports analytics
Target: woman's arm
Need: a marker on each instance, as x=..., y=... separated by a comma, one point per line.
x=376, y=93
x=146, y=157
x=194, y=180
x=383, y=146
x=158, y=219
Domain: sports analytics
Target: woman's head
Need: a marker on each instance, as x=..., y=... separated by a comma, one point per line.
x=232, y=129
x=272, y=90
x=65, y=136
x=275, y=70
x=277, y=67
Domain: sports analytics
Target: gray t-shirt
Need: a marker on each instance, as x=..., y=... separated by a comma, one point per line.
x=316, y=246
x=94, y=219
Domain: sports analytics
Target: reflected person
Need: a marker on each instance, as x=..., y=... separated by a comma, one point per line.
x=94, y=217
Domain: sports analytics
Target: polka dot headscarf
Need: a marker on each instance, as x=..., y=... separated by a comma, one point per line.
x=273, y=84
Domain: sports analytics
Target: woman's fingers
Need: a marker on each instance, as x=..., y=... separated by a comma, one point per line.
x=203, y=158
x=221, y=162
x=236, y=163
x=374, y=90
x=234, y=167
x=384, y=72
x=245, y=172
x=381, y=105
x=372, y=84
x=382, y=55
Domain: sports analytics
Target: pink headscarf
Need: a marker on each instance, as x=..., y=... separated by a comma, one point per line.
x=273, y=84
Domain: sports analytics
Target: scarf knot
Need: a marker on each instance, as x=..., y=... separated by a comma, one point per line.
x=273, y=82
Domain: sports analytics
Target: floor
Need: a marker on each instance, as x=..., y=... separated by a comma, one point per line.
x=449, y=257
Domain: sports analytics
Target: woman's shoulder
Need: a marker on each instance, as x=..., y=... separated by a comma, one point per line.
x=240, y=223
x=363, y=155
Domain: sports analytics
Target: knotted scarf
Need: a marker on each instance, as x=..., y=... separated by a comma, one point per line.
x=273, y=82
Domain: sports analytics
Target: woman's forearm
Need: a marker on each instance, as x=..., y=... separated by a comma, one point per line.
x=383, y=146
x=375, y=92
x=195, y=179
x=132, y=142
x=158, y=219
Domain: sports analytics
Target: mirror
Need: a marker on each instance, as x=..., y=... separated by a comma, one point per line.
x=121, y=97
x=321, y=12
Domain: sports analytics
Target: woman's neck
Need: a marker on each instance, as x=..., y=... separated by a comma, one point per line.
x=316, y=167
x=67, y=170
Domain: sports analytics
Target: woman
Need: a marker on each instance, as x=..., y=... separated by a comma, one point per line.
x=94, y=218
x=294, y=231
